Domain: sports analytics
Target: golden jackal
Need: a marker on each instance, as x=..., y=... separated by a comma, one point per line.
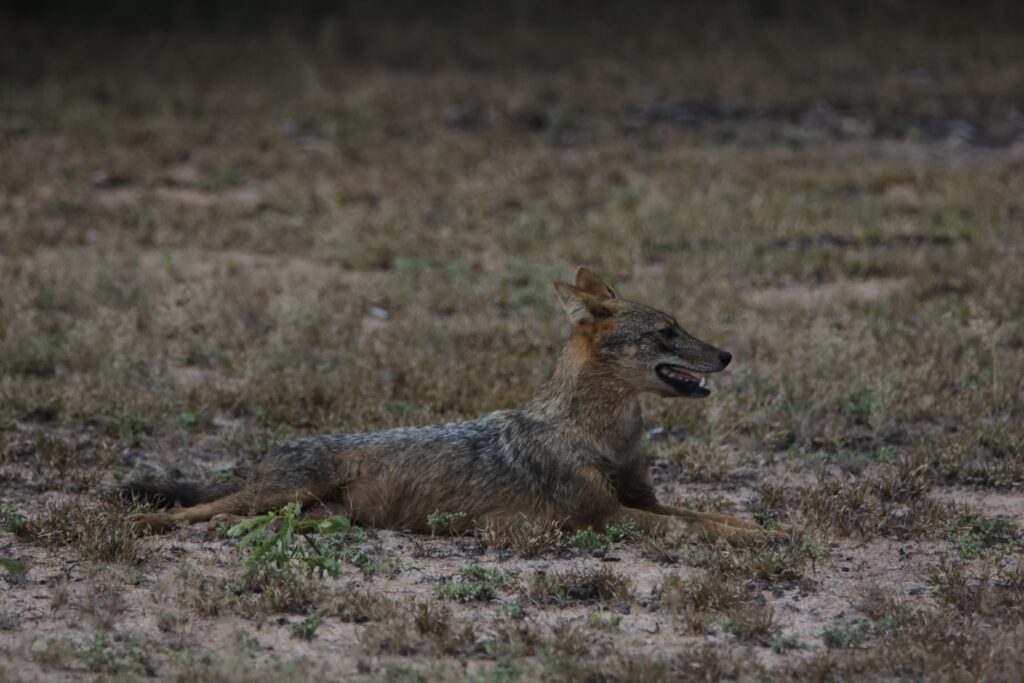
x=571, y=456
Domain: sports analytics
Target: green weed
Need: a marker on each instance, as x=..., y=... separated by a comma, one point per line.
x=477, y=583
x=591, y=541
x=281, y=542
x=306, y=629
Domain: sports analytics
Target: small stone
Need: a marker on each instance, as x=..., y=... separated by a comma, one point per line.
x=643, y=624
x=657, y=434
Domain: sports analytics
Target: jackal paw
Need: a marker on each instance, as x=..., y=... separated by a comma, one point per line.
x=151, y=522
x=219, y=524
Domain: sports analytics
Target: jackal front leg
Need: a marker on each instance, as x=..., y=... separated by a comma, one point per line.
x=635, y=491
x=718, y=518
x=694, y=527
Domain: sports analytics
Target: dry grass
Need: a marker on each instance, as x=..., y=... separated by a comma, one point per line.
x=926, y=644
x=97, y=530
x=865, y=506
x=579, y=586
x=355, y=226
x=702, y=600
x=526, y=539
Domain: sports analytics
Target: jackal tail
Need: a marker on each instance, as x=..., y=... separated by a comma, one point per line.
x=165, y=492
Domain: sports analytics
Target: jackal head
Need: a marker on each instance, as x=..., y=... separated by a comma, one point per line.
x=637, y=344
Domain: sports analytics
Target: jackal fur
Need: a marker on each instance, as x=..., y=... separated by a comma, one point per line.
x=571, y=456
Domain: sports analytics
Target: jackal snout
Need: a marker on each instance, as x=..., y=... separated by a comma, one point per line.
x=642, y=345
x=688, y=355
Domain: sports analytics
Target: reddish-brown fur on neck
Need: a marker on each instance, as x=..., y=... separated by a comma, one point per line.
x=580, y=349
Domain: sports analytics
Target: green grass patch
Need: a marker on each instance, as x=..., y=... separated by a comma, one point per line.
x=592, y=541
x=477, y=583
x=280, y=542
x=987, y=536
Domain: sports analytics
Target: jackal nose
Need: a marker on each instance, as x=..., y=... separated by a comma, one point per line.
x=725, y=357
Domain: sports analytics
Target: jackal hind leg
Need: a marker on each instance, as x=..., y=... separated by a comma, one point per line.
x=223, y=521
x=237, y=505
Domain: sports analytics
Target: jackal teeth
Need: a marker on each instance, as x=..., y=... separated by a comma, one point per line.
x=703, y=382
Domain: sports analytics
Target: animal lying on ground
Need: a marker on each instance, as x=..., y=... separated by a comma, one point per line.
x=571, y=456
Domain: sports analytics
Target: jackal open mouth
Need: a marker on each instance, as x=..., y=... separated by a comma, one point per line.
x=685, y=383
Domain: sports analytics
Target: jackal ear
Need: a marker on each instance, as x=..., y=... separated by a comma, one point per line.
x=592, y=284
x=581, y=306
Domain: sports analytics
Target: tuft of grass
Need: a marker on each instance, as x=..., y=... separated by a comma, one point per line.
x=698, y=601
x=751, y=621
x=985, y=537
x=477, y=583
x=769, y=519
x=103, y=600
x=98, y=531
x=701, y=663
x=58, y=653
x=979, y=457
x=848, y=635
x=15, y=522
x=893, y=504
x=249, y=595
x=701, y=463
x=513, y=610
x=787, y=562
x=964, y=587
x=373, y=562
x=281, y=542
x=512, y=641
x=14, y=568
x=568, y=639
x=100, y=656
x=879, y=604
x=355, y=604
x=437, y=624
x=526, y=539
x=55, y=459
x=447, y=523
x=584, y=586
x=930, y=644
x=602, y=620
x=854, y=634
x=419, y=628
x=236, y=664
x=306, y=629
x=599, y=542
x=782, y=643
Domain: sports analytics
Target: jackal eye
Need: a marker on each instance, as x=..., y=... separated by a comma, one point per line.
x=668, y=333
